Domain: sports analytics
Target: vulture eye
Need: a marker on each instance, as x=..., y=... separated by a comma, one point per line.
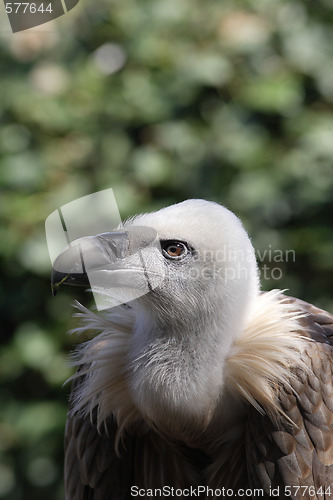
x=174, y=250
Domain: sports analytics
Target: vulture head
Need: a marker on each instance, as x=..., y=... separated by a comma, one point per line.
x=186, y=282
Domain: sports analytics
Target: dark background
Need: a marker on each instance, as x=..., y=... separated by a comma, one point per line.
x=161, y=100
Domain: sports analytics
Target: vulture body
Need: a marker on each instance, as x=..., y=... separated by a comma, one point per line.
x=202, y=385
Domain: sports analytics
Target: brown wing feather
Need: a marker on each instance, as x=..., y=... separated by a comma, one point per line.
x=318, y=324
x=285, y=456
x=93, y=470
x=89, y=459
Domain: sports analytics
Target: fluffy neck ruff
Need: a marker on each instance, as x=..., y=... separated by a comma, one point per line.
x=258, y=361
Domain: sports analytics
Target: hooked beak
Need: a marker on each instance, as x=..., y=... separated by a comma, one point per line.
x=115, y=259
x=90, y=253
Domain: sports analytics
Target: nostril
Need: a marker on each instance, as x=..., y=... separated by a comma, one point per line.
x=114, y=244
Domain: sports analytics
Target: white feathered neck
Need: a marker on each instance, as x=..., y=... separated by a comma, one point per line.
x=259, y=360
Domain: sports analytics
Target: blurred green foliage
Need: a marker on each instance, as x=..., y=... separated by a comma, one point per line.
x=162, y=101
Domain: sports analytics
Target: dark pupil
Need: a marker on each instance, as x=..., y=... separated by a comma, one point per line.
x=175, y=250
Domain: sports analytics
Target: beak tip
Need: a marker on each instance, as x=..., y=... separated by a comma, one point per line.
x=57, y=279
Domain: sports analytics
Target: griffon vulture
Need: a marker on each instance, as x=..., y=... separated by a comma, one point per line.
x=201, y=386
